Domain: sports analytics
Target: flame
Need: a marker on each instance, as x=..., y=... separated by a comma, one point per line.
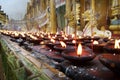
x=53, y=37
x=63, y=44
x=49, y=36
x=95, y=42
x=73, y=35
x=41, y=35
x=23, y=34
x=74, y=41
x=52, y=40
x=16, y=34
x=80, y=37
x=117, y=46
x=33, y=37
x=79, y=50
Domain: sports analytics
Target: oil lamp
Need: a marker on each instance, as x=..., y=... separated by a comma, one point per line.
x=111, y=61
x=52, y=43
x=15, y=35
x=95, y=42
x=63, y=44
x=67, y=39
x=96, y=46
x=63, y=47
x=34, y=39
x=22, y=35
x=73, y=42
x=113, y=47
x=117, y=46
x=83, y=54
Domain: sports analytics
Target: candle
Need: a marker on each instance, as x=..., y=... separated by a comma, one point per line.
x=111, y=61
x=82, y=54
x=52, y=43
x=95, y=42
x=113, y=47
x=63, y=47
x=117, y=42
x=63, y=44
x=79, y=50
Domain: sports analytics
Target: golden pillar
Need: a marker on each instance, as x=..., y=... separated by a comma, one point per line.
x=82, y=8
x=68, y=6
x=93, y=5
x=102, y=12
x=68, y=11
x=77, y=14
x=53, y=20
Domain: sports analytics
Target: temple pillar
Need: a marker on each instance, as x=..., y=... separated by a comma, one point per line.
x=93, y=5
x=102, y=12
x=53, y=20
x=68, y=11
x=82, y=8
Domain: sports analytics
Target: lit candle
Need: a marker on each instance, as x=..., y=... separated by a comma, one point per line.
x=52, y=40
x=117, y=42
x=79, y=50
x=63, y=44
x=95, y=42
x=74, y=41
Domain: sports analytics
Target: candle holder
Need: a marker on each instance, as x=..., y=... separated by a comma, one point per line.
x=97, y=48
x=111, y=61
x=51, y=45
x=87, y=55
x=15, y=36
x=110, y=48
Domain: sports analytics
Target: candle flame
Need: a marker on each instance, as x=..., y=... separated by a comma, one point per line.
x=33, y=37
x=63, y=44
x=74, y=41
x=52, y=40
x=23, y=35
x=79, y=50
x=53, y=37
x=95, y=42
x=117, y=44
x=16, y=34
x=41, y=35
x=73, y=35
x=80, y=37
x=49, y=36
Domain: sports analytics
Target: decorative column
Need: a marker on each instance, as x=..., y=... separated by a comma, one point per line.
x=93, y=11
x=53, y=20
x=68, y=6
x=93, y=6
x=102, y=12
x=68, y=11
x=82, y=8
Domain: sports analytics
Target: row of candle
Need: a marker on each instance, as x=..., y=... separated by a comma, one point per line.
x=68, y=39
x=61, y=42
